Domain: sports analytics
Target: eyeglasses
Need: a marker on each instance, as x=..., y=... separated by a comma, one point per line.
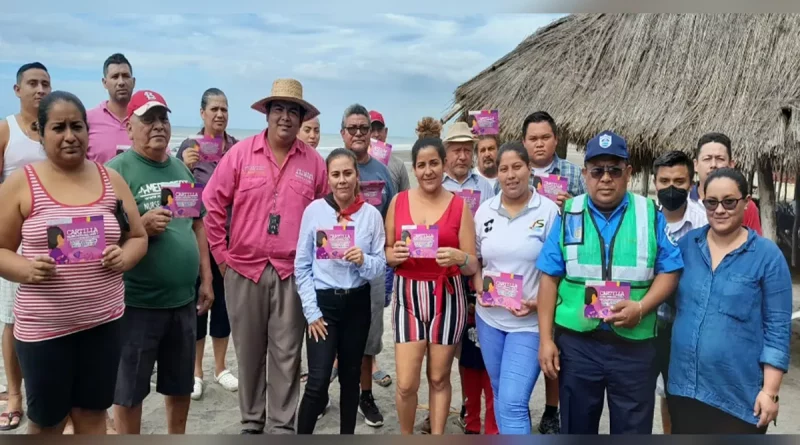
x=352, y=130
x=613, y=171
x=711, y=204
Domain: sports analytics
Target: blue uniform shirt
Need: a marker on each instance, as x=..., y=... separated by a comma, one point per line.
x=668, y=256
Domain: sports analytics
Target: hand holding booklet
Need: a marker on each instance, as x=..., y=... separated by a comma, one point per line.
x=331, y=244
x=422, y=241
x=502, y=289
x=184, y=200
x=76, y=240
x=602, y=296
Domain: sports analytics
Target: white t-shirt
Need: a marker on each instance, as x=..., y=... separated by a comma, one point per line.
x=543, y=171
x=512, y=246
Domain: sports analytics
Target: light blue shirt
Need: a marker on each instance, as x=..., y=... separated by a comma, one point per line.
x=312, y=274
x=474, y=181
x=730, y=322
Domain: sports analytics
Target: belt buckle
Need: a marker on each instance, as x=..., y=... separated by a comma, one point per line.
x=341, y=292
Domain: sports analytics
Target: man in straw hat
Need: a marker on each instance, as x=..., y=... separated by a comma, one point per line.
x=269, y=179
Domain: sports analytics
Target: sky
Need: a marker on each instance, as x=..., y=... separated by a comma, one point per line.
x=403, y=65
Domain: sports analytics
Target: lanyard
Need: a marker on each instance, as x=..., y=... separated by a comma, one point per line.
x=281, y=170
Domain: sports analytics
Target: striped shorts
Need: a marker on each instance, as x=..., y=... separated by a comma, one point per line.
x=417, y=315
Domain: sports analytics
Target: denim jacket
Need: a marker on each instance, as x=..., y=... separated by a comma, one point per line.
x=729, y=323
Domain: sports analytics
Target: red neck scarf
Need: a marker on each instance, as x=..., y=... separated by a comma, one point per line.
x=345, y=214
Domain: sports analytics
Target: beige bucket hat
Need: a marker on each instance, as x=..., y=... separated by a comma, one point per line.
x=290, y=90
x=459, y=132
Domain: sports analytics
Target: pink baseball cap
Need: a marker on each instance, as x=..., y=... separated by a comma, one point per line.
x=144, y=100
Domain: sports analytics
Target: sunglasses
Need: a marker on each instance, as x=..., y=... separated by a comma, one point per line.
x=711, y=204
x=352, y=130
x=613, y=171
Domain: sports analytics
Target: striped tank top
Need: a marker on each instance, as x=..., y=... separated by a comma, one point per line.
x=80, y=296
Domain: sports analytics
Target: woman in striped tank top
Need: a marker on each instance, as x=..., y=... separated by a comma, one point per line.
x=70, y=298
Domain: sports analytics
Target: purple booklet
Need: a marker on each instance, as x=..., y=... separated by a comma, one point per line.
x=372, y=191
x=184, y=201
x=76, y=240
x=422, y=241
x=550, y=185
x=472, y=198
x=502, y=289
x=333, y=243
x=380, y=151
x=602, y=296
x=122, y=148
x=484, y=122
x=210, y=149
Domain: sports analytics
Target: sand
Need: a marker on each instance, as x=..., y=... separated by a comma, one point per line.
x=218, y=411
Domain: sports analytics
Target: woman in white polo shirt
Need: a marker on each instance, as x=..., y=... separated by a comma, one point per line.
x=510, y=230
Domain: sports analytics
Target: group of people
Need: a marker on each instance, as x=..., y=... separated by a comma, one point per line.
x=621, y=296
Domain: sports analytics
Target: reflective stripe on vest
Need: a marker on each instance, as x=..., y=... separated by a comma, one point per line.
x=642, y=272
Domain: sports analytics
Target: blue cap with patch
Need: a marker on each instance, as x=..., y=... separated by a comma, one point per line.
x=606, y=143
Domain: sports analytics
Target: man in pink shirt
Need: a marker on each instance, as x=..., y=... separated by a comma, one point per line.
x=108, y=133
x=269, y=179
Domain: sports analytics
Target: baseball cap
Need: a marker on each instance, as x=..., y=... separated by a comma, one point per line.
x=606, y=143
x=374, y=116
x=144, y=100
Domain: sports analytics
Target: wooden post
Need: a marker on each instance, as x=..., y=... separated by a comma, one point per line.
x=796, y=224
x=561, y=147
x=766, y=193
x=750, y=176
x=647, y=170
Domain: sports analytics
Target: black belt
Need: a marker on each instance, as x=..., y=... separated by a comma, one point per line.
x=343, y=292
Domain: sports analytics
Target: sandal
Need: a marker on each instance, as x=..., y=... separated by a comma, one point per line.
x=13, y=415
x=304, y=377
x=334, y=374
x=382, y=378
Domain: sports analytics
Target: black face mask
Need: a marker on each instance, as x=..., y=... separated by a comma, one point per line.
x=672, y=198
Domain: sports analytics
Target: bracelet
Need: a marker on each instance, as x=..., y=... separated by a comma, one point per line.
x=466, y=261
x=641, y=311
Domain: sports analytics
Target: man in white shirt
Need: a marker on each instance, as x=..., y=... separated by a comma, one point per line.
x=673, y=172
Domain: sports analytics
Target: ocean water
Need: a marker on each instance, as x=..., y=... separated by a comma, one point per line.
x=328, y=142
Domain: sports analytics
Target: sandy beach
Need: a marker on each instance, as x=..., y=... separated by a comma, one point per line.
x=218, y=411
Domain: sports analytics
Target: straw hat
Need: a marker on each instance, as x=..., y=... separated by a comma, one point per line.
x=459, y=132
x=289, y=90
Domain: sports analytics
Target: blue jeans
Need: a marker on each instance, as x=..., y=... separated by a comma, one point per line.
x=512, y=361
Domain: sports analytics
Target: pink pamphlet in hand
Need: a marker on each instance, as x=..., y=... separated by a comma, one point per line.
x=550, y=185
x=602, y=296
x=380, y=151
x=484, y=122
x=210, y=149
x=76, y=240
x=184, y=200
x=422, y=241
x=333, y=243
x=471, y=197
x=372, y=191
x=502, y=289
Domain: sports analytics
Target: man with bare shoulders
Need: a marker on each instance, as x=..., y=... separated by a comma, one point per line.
x=19, y=146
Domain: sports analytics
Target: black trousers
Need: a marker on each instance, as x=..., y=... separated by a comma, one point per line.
x=691, y=416
x=347, y=313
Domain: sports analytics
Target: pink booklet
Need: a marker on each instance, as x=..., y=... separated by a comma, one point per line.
x=76, y=240
x=602, y=296
x=210, y=149
x=484, y=122
x=422, y=241
x=471, y=197
x=333, y=243
x=380, y=151
x=184, y=201
x=550, y=185
x=502, y=289
x=372, y=191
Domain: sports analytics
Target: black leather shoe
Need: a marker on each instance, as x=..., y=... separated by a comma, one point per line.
x=248, y=431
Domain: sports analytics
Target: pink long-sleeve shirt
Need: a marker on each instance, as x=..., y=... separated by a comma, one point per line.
x=249, y=177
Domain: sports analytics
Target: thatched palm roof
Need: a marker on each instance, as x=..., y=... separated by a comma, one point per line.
x=660, y=80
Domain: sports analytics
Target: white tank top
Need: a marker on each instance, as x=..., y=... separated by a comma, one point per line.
x=20, y=151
